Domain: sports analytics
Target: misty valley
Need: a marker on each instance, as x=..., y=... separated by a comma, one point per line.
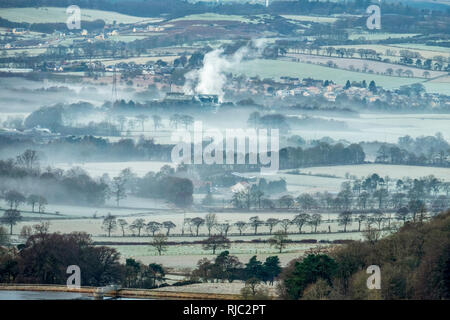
x=253, y=150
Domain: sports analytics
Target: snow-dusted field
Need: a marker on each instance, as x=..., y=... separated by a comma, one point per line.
x=129, y=206
x=384, y=127
x=393, y=171
x=215, y=288
x=180, y=262
x=196, y=249
x=93, y=226
x=298, y=184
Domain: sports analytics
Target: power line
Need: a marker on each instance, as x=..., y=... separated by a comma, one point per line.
x=114, y=86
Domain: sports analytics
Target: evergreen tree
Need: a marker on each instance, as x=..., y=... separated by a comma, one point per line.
x=372, y=87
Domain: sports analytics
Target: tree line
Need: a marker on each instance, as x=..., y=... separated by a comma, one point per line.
x=75, y=186
x=226, y=267
x=44, y=258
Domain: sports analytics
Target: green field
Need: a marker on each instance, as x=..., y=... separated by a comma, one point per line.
x=278, y=68
x=52, y=14
x=29, y=52
x=437, y=87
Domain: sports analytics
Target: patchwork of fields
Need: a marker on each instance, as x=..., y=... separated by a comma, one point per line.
x=207, y=30
x=277, y=68
x=361, y=64
x=393, y=171
x=53, y=14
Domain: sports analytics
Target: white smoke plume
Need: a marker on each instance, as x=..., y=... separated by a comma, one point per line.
x=211, y=78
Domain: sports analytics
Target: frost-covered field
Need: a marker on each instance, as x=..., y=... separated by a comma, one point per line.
x=216, y=288
x=249, y=235
x=393, y=171
x=187, y=256
x=297, y=184
x=190, y=261
x=89, y=212
x=94, y=227
x=54, y=15
x=129, y=206
x=196, y=249
x=384, y=127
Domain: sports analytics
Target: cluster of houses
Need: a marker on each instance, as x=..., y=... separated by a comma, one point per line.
x=179, y=97
x=330, y=91
x=90, y=37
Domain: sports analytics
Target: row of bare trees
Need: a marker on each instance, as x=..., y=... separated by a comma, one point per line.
x=111, y=224
x=140, y=119
x=14, y=199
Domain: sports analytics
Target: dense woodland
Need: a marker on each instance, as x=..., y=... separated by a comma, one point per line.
x=414, y=262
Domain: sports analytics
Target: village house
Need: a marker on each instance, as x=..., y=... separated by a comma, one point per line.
x=18, y=31
x=152, y=28
x=242, y=186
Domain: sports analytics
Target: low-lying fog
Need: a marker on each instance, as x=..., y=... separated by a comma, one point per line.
x=22, y=96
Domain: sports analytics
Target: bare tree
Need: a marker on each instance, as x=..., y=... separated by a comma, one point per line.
x=255, y=223
x=122, y=120
x=138, y=225
x=142, y=118
x=118, y=189
x=4, y=237
x=315, y=220
x=11, y=217
x=402, y=214
x=285, y=223
x=42, y=203
x=210, y=222
x=175, y=120
x=32, y=200
x=14, y=199
x=378, y=218
x=241, y=225
x=29, y=159
x=156, y=121
x=223, y=228
x=152, y=227
x=122, y=224
x=41, y=228
x=168, y=225
x=216, y=242
x=300, y=220
x=109, y=224
x=26, y=232
x=197, y=222
x=279, y=240
x=272, y=222
x=159, y=242
x=360, y=219
x=344, y=219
